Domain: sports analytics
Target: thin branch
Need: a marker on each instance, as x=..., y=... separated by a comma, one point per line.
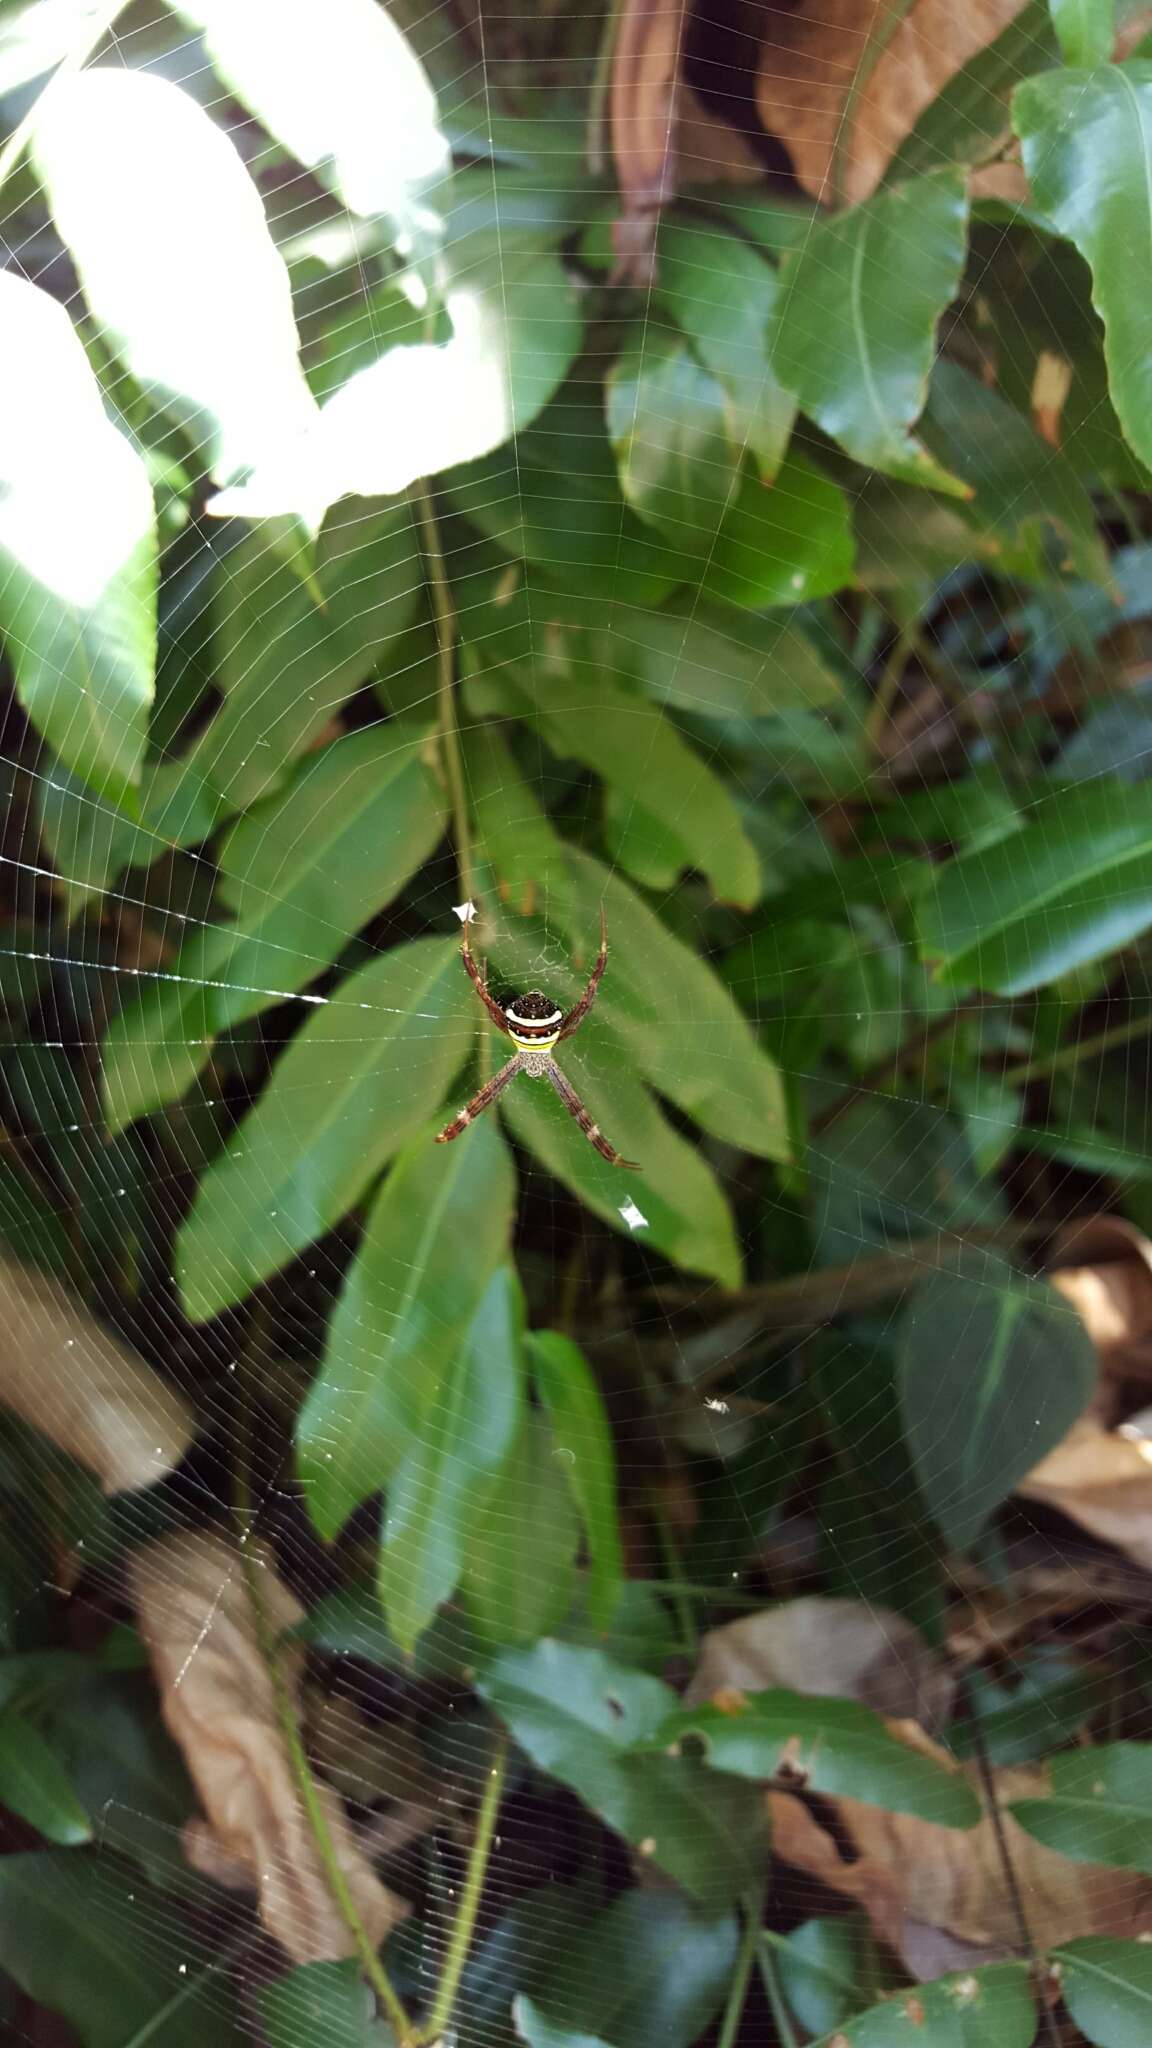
x=753, y=1905
x=464, y=1927
x=444, y=614
x=1084, y=1049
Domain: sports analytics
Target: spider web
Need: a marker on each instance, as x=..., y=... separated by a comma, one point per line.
x=65, y=967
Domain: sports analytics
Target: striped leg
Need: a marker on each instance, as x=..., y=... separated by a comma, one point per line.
x=482, y=1100
x=479, y=979
x=575, y=1018
x=576, y=1109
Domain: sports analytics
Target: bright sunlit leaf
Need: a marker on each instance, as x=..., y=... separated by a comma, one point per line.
x=351, y=102
x=77, y=547
x=169, y=236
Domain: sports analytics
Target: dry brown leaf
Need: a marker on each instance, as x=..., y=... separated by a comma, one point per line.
x=938, y=1895
x=644, y=113
x=838, y=1649
x=810, y=58
x=1105, y=1272
x=1102, y=1479
x=196, y=1617
x=711, y=151
x=80, y=1386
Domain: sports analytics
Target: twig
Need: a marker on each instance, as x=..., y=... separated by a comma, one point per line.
x=465, y=1923
x=1084, y=1049
x=880, y=709
x=781, y=2017
x=74, y=60
x=753, y=1905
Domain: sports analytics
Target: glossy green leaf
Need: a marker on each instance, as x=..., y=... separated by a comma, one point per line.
x=70, y=1936
x=1054, y=1699
x=667, y=424
x=424, y=407
x=676, y=1019
x=398, y=1349
x=684, y=1212
x=470, y=1411
x=285, y=662
x=581, y=1717
x=835, y=1747
x=1029, y=506
x=359, y=1079
x=519, y=1956
x=652, y=1968
x=715, y=661
x=1070, y=888
x=1085, y=29
x=991, y=2007
x=298, y=875
x=77, y=549
x=994, y=1370
x=784, y=542
x=353, y=104
x=322, y=2003
x=722, y=293
x=35, y=1784
x=1107, y=1988
x=1086, y=138
x=855, y=332
x=573, y=1402
x=520, y=1561
x=526, y=854
x=829, y=1969
x=587, y=712
x=1100, y=1806
x=160, y=255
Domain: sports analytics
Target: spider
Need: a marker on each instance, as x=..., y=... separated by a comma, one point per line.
x=535, y=1025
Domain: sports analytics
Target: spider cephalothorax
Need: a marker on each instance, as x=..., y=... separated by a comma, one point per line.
x=535, y=1025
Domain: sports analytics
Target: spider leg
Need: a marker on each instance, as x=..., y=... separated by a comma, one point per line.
x=575, y=1018
x=479, y=978
x=482, y=1100
x=576, y=1110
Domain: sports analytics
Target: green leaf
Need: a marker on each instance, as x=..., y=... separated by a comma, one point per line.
x=994, y=1370
x=1024, y=491
x=161, y=255
x=589, y=709
x=783, y=543
x=287, y=663
x=299, y=874
x=722, y=293
x=686, y=1215
x=829, y=1969
x=398, y=1348
x=1086, y=138
x=1053, y=1701
x=425, y=407
x=652, y=1968
x=361, y=1077
x=581, y=1717
x=1107, y=1988
x=1100, y=1806
x=1073, y=887
x=584, y=1443
x=991, y=2007
x=715, y=661
x=1085, y=29
x=35, y=1784
x=527, y=856
x=519, y=1570
x=353, y=104
x=855, y=331
x=320, y=2003
x=471, y=1410
x=829, y=1746
x=70, y=1936
x=667, y=426
x=673, y=1015
x=519, y=1955
x=77, y=549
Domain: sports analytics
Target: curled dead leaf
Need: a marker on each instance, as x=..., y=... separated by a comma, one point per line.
x=838, y=1649
x=1102, y=1479
x=644, y=114
x=1104, y=1271
x=854, y=76
x=83, y=1389
x=218, y=1700
x=916, y=1880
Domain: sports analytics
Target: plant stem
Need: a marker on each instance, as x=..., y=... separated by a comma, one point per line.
x=781, y=2018
x=753, y=1905
x=880, y=709
x=74, y=60
x=150, y=2031
x=461, y=1938
x=674, y=1571
x=1084, y=1049
x=444, y=614
x=306, y=1786
x=595, y=151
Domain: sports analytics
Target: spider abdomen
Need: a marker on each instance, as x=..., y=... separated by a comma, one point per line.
x=533, y=1022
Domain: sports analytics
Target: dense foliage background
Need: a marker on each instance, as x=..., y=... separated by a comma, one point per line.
x=560, y=461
